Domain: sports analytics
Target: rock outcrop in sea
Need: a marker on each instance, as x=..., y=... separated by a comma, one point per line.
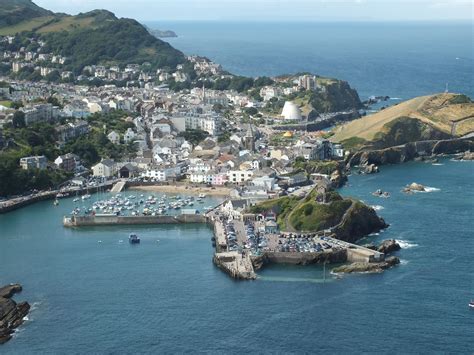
x=386, y=247
x=414, y=187
x=12, y=314
x=360, y=220
x=367, y=267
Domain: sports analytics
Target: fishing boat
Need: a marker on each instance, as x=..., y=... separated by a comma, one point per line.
x=471, y=304
x=134, y=239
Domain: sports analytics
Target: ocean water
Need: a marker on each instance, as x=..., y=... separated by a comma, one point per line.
x=165, y=295
x=399, y=59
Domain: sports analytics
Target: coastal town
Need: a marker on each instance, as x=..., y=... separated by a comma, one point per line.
x=246, y=146
x=183, y=132
x=198, y=136
x=201, y=200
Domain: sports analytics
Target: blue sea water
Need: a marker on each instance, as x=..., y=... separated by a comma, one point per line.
x=399, y=59
x=166, y=296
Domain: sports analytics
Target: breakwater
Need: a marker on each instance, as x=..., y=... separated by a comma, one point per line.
x=19, y=202
x=107, y=220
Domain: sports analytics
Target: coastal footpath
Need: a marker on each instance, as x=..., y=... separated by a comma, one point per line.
x=12, y=314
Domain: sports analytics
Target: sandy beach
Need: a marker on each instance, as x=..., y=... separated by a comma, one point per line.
x=185, y=189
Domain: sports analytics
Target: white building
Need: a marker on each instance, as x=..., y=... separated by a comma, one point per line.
x=40, y=113
x=114, y=137
x=106, y=168
x=35, y=162
x=129, y=136
x=291, y=111
x=239, y=176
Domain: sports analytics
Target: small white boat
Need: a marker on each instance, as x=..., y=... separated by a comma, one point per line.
x=471, y=304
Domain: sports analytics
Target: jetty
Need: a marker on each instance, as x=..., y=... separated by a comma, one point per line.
x=238, y=265
x=241, y=247
x=118, y=187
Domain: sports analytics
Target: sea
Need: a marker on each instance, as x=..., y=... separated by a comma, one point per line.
x=92, y=292
x=398, y=59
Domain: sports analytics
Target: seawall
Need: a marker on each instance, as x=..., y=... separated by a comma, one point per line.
x=299, y=258
x=89, y=221
x=20, y=202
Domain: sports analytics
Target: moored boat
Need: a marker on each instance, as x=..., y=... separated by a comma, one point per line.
x=134, y=239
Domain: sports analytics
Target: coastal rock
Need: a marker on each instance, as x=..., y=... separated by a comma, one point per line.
x=338, y=178
x=467, y=156
x=388, y=246
x=11, y=314
x=370, y=246
x=367, y=267
x=371, y=169
x=360, y=220
x=411, y=151
x=414, y=187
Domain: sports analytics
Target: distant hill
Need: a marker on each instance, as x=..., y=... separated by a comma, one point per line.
x=422, y=118
x=95, y=37
x=13, y=12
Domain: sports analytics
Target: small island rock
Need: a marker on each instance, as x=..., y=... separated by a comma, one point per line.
x=388, y=246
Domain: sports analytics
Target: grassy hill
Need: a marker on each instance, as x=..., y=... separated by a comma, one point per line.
x=13, y=12
x=426, y=117
x=349, y=219
x=95, y=37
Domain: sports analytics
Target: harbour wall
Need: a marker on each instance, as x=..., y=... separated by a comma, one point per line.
x=299, y=258
x=87, y=221
x=20, y=202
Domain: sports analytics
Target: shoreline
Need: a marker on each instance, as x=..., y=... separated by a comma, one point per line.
x=178, y=189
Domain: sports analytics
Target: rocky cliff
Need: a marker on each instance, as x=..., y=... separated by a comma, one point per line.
x=360, y=220
x=410, y=151
x=11, y=313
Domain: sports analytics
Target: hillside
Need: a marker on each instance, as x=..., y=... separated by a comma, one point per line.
x=95, y=37
x=421, y=118
x=348, y=219
x=13, y=12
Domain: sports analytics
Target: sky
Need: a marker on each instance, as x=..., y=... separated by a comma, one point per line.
x=273, y=10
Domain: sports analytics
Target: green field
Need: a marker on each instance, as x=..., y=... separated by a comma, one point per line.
x=25, y=25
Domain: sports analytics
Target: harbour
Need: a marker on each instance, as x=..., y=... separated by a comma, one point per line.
x=172, y=283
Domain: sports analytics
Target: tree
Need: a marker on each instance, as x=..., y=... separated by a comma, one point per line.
x=252, y=111
x=18, y=120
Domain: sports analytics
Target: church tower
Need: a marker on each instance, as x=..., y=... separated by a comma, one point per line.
x=249, y=139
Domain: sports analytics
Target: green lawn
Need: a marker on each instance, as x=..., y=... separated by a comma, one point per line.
x=6, y=103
